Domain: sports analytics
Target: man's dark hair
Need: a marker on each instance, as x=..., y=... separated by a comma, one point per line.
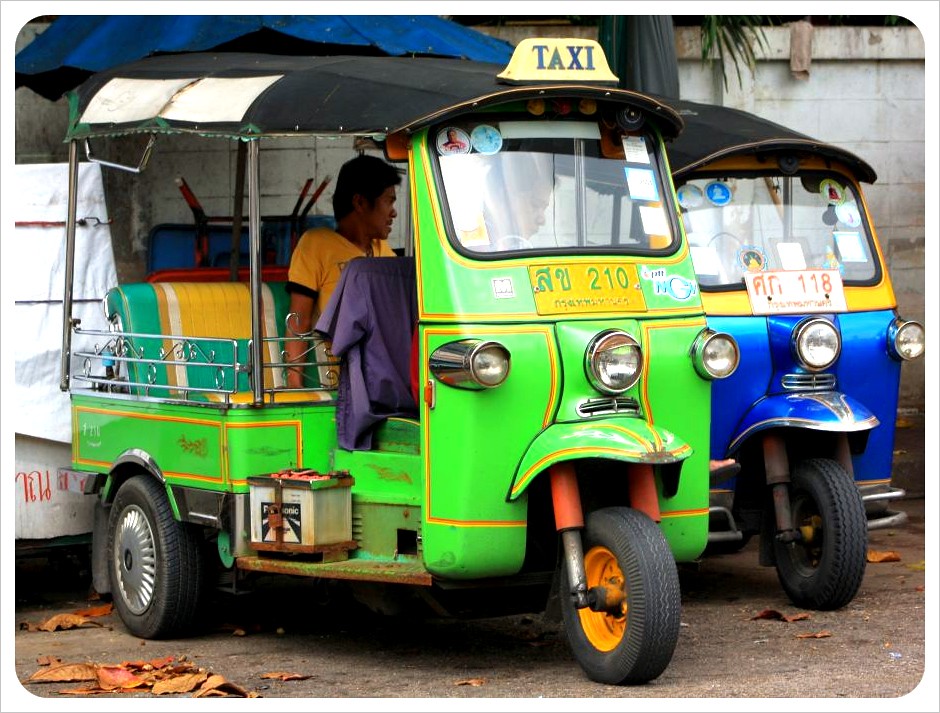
x=368, y=176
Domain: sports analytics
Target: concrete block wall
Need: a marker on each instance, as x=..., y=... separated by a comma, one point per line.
x=865, y=91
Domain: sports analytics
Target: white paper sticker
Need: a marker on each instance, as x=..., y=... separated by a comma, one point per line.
x=654, y=220
x=705, y=260
x=642, y=184
x=850, y=246
x=634, y=149
x=503, y=288
x=791, y=256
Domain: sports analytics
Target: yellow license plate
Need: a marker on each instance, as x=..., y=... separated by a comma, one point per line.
x=586, y=287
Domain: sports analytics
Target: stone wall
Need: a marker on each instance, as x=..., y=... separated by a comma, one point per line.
x=864, y=90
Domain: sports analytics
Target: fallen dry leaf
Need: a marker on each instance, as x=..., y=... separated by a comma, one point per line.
x=48, y=660
x=470, y=682
x=111, y=677
x=216, y=685
x=774, y=614
x=103, y=610
x=66, y=672
x=142, y=665
x=886, y=556
x=917, y=566
x=85, y=691
x=180, y=684
x=817, y=635
x=66, y=621
x=284, y=676
x=919, y=588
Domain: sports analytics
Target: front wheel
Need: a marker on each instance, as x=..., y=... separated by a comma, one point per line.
x=824, y=569
x=625, y=552
x=155, y=563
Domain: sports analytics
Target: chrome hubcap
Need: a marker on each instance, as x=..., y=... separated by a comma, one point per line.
x=135, y=561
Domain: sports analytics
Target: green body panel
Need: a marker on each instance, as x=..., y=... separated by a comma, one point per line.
x=631, y=440
x=202, y=446
x=476, y=441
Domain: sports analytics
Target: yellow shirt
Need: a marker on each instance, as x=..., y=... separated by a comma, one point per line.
x=319, y=258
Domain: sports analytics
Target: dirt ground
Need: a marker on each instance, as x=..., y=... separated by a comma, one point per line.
x=873, y=648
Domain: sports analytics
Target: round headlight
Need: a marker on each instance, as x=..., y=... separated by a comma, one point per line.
x=816, y=343
x=715, y=355
x=489, y=364
x=612, y=361
x=907, y=339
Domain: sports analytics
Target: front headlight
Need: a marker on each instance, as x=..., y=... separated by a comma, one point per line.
x=715, y=355
x=612, y=361
x=470, y=364
x=906, y=339
x=816, y=343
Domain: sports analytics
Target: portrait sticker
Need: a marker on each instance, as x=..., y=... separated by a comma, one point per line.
x=832, y=191
x=451, y=140
x=718, y=193
x=690, y=196
x=486, y=139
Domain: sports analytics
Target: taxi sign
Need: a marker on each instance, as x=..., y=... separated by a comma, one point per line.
x=552, y=59
x=795, y=291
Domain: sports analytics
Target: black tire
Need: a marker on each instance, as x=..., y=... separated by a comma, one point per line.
x=825, y=570
x=634, y=647
x=155, y=563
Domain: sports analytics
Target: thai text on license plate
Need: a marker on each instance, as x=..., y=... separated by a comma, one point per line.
x=795, y=291
x=586, y=287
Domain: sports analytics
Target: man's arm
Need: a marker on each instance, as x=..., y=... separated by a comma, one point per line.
x=302, y=305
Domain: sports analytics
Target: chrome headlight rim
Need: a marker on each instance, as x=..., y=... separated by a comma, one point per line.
x=800, y=351
x=591, y=356
x=895, y=332
x=700, y=348
x=458, y=364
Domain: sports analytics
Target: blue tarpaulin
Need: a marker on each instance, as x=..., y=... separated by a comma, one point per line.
x=76, y=46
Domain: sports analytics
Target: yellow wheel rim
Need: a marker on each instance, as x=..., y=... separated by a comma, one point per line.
x=604, y=630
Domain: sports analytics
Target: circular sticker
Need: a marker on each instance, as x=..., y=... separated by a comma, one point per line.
x=718, y=193
x=752, y=258
x=831, y=191
x=452, y=140
x=486, y=139
x=848, y=214
x=689, y=196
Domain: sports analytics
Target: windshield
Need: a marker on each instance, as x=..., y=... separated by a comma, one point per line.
x=757, y=223
x=548, y=186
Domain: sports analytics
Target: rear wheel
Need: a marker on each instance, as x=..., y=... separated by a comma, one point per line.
x=155, y=563
x=633, y=642
x=824, y=569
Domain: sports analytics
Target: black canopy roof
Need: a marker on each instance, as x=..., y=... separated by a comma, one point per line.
x=251, y=95
x=715, y=132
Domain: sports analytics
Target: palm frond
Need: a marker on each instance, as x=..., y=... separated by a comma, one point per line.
x=733, y=38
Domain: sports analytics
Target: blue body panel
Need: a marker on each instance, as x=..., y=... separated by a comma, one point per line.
x=867, y=381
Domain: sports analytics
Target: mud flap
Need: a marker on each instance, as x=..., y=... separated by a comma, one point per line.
x=100, y=579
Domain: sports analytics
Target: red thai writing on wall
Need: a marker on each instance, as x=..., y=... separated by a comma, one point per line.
x=37, y=485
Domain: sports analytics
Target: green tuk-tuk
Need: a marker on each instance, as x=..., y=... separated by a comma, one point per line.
x=559, y=438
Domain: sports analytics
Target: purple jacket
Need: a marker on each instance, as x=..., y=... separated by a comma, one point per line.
x=370, y=319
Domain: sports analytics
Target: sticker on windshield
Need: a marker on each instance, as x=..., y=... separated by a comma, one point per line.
x=452, y=141
x=848, y=214
x=718, y=193
x=791, y=256
x=752, y=259
x=642, y=184
x=689, y=196
x=831, y=191
x=634, y=149
x=486, y=139
x=850, y=246
x=654, y=220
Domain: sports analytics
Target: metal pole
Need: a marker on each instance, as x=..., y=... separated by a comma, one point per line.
x=70, y=223
x=254, y=235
